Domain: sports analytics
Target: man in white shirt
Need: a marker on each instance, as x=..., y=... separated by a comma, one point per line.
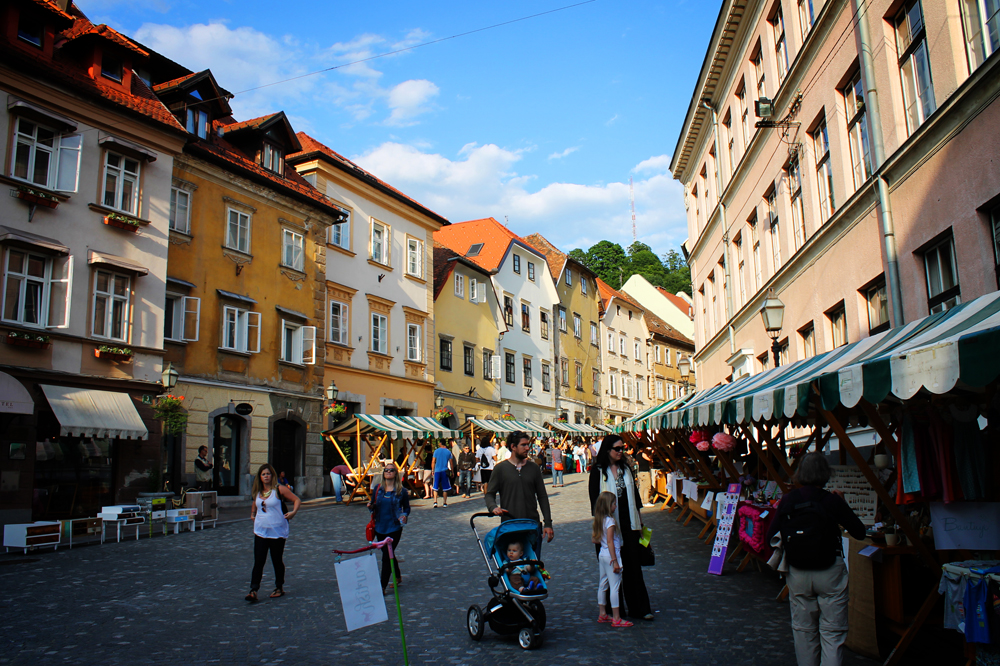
x=487, y=459
x=503, y=452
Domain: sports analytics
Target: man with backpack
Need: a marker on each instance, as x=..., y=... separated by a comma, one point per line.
x=810, y=521
x=487, y=461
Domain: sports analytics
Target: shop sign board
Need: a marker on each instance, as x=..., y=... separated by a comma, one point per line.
x=966, y=525
x=361, y=591
x=727, y=513
x=244, y=409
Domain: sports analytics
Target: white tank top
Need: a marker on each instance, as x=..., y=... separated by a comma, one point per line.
x=270, y=524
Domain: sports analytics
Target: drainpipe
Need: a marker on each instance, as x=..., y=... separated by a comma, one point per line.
x=878, y=155
x=725, y=226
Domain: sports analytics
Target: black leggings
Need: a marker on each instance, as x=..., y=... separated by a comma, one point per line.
x=395, y=536
x=261, y=547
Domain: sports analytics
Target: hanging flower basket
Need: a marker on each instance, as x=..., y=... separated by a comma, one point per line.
x=441, y=414
x=122, y=222
x=110, y=353
x=562, y=419
x=609, y=421
x=30, y=340
x=507, y=417
x=36, y=197
x=337, y=410
x=168, y=410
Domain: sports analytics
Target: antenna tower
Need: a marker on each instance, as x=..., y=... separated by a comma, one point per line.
x=631, y=201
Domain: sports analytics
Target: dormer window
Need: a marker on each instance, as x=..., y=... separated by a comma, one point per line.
x=197, y=123
x=30, y=30
x=273, y=158
x=111, y=67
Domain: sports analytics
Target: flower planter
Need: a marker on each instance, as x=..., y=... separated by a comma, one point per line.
x=112, y=222
x=111, y=356
x=32, y=344
x=36, y=200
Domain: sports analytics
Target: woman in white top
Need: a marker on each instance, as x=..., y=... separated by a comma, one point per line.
x=270, y=528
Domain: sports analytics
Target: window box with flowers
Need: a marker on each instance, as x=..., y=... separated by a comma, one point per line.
x=31, y=340
x=121, y=221
x=610, y=421
x=36, y=197
x=112, y=353
x=507, y=417
x=562, y=419
x=168, y=409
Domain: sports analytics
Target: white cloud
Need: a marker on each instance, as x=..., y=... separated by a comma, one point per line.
x=568, y=151
x=612, y=120
x=410, y=99
x=659, y=163
x=482, y=181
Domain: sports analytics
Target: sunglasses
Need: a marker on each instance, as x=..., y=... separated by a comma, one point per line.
x=389, y=471
x=618, y=448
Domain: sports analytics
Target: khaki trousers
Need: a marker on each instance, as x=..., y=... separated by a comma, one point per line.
x=818, y=601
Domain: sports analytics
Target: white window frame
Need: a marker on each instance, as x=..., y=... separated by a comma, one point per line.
x=240, y=330
x=292, y=250
x=914, y=64
x=613, y=383
x=339, y=234
x=340, y=322
x=414, y=346
x=577, y=326
x=197, y=123
x=562, y=320
x=459, y=285
x=838, y=327
x=115, y=197
x=272, y=158
x=56, y=286
x=939, y=261
x=583, y=284
x=806, y=17
x=982, y=32
x=780, y=44
x=755, y=253
x=564, y=371
x=794, y=175
x=302, y=341
x=241, y=241
x=379, y=333
x=569, y=277
x=622, y=345
x=595, y=337
x=473, y=291
x=659, y=390
x=380, y=249
x=656, y=353
x=185, y=318
x=110, y=300
x=62, y=172
x=637, y=349
x=182, y=222
x=415, y=258
x=824, y=171
x=611, y=341
x=876, y=310
x=857, y=130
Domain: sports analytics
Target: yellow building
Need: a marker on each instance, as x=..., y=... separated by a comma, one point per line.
x=245, y=294
x=578, y=335
x=469, y=324
x=666, y=347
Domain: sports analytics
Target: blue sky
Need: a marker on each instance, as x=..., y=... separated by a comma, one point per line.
x=541, y=121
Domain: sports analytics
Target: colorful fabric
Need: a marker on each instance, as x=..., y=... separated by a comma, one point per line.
x=977, y=624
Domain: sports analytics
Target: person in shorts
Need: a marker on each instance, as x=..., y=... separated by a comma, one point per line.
x=444, y=463
x=487, y=460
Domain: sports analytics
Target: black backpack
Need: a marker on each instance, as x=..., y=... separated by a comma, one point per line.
x=808, y=535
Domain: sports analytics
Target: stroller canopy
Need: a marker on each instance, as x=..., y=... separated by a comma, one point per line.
x=519, y=529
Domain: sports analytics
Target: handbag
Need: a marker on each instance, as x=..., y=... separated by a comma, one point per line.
x=647, y=558
x=778, y=561
x=370, y=527
x=558, y=467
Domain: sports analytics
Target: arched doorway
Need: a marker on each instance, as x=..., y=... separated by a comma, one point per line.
x=287, y=444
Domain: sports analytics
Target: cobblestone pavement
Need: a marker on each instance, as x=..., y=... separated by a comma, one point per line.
x=179, y=599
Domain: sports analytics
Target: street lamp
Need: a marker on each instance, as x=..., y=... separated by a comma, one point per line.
x=331, y=391
x=684, y=367
x=505, y=406
x=439, y=401
x=772, y=312
x=170, y=376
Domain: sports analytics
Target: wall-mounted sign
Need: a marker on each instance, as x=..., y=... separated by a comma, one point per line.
x=966, y=525
x=244, y=409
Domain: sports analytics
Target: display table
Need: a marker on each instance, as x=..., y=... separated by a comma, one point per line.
x=31, y=535
x=181, y=519
x=85, y=529
x=121, y=516
x=207, y=504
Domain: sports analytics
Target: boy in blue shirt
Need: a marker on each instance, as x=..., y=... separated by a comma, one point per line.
x=444, y=461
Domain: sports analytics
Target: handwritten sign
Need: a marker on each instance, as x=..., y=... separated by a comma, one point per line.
x=360, y=591
x=966, y=525
x=727, y=512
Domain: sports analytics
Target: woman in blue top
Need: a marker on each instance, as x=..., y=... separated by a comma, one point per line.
x=390, y=507
x=270, y=528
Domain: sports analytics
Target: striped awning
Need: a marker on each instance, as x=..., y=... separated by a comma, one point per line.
x=651, y=418
x=603, y=428
x=936, y=353
x=503, y=426
x=93, y=413
x=575, y=428
x=397, y=427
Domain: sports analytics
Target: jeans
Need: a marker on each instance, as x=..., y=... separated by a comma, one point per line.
x=465, y=481
x=557, y=477
x=261, y=547
x=818, y=601
x=338, y=484
x=386, y=562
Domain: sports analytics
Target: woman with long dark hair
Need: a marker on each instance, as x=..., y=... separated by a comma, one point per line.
x=612, y=471
x=390, y=507
x=270, y=528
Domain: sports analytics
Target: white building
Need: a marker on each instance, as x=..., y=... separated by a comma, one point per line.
x=626, y=361
x=675, y=309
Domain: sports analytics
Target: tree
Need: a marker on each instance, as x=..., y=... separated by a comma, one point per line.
x=615, y=265
x=678, y=274
x=608, y=260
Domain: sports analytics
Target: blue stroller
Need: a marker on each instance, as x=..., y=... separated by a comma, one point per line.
x=509, y=611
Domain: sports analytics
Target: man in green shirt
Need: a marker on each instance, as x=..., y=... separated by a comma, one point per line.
x=519, y=483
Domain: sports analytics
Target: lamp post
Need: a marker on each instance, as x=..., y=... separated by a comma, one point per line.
x=772, y=312
x=332, y=392
x=684, y=367
x=505, y=406
x=439, y=401
x=170, y=376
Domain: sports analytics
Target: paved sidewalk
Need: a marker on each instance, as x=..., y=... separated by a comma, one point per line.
x=179, y=599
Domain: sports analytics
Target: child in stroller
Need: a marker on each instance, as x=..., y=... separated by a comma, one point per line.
x=523, y=577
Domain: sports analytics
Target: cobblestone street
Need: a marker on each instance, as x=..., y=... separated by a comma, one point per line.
x=179, y=599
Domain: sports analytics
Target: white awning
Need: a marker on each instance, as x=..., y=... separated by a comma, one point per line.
x=92, y=413
x=14, y=398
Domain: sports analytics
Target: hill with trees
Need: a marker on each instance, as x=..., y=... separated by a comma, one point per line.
x=615, y=265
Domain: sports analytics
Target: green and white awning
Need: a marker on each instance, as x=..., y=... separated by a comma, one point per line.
x=651, y=419
x=575, y=428
x=935, y=353
x=503, y=426
x=397, y=427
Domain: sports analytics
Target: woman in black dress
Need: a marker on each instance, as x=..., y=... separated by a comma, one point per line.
x=613, y=471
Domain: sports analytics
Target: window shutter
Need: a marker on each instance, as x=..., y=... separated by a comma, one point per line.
x=192, y=318
x=473, y=291
x=309, y=345
x=496, y=367
x=60, y=292
x=68, y=166
x=253, y=332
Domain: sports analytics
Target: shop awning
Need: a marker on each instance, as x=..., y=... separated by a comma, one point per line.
x=936, y=353
x=575, y=428
x=650, y=419
x=603, y=428
x=92, y=413
x=504, y=426
x=397, y=427
x=14, y=398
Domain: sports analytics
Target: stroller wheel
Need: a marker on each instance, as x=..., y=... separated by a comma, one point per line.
x=526, y=638
x=537, y=610
x=474, y=622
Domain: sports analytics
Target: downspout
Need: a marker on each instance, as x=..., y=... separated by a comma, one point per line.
x=878, y=154
x=725, y=227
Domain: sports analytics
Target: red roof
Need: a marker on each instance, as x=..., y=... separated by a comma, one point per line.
x=52, y=7
x=159, y=87
x=657, y=326
x=679, y=302
x=311, y=148
x=608, y=292
x=553, y=257
x=495, y=237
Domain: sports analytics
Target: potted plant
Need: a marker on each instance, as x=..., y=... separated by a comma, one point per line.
x=168, y=410
x=441, y=414
x=25, y=339
x=36, y=197
x=337, y=410
x=112, y=353
x=562, y=419
x=122, y=222
x=507, y=416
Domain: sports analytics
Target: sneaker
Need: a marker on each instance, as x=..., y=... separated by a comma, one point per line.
x=621, y=624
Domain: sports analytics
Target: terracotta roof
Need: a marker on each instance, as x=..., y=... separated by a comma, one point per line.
x=608, y=292
x=659, y=327
x=82, y=27
x=311, y=148
x=53, y=8
x=679, y=302
x=254, y=123
x=553, y=257
x=166, y=85
x=495, y=237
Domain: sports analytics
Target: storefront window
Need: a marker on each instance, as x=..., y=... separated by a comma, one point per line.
x=228, y=432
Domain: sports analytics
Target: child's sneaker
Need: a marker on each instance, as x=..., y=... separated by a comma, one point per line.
x=622, y=623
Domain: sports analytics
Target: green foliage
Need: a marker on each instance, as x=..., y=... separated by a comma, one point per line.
x=615, y=266
x=169, y=410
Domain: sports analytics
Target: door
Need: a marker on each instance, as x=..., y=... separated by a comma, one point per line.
x=228, y=435
x=283, y=448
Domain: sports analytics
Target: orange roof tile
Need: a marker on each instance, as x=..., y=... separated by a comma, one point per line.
x=52, y=7
x=159, y=87
x=679, y=302
x=608, y=292
x=659, y=327
x=495, y=237
x=553, y=257
x=311, y=148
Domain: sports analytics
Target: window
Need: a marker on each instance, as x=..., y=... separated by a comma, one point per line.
x=273, y=158
x=340, y=233
x=783, y=352
x=659, y=389
x=37, y=289
x=562, y=319
x=981, y=19
x=339, y=323
x=526, y=371
x=656, y=353
x=583, y=285
x=509, y=368
x=755, y=254
x=473, y=291
x=794, y=175
x=805, y=17
x=111, y=67
x=577, y=328
x=638, y=388
x=517, y=264
x=30, y=30
x=666, y=355
x=611, y=342
x=240, y=330
x=758, y=72
x=111, y=305
x=740, y=268
x=546, y=377
x=508, y=311
x=569, y=276
x=525, y=317
x=727, y=124
x=381, y=241
x=180, y=210
x=197, y=123
x=621, y=345
x=857, y=130
x=544, y=324
x=824, y=173
x=44, y=157
x=445, y=354
x=380, y=333
x=995, y=230
x=808, y=341
x=531, y=271
x=765, y=361
x=181, y=318
x=579, y=376
x=469, y=360
x=459, y=285
x=414, y=343
x=298, y=343
x=564, y=371
x=878, y=308
x=637, y=349
x=741, y=96
x=292, y=252
x=780, y=49
x=626, y=387
x=415, y=261
x=121, y=183
x=943, y=291
x=838, y=326
x=238, y=231
x=772, y=213
x=914, y=65
x=593, y=327
x=612, y=382
x=596, y=378
x=487, y=364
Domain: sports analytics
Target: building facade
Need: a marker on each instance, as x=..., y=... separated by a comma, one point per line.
x=626, y=369
x=674, y=309
x=666, y=347
x=862, y=200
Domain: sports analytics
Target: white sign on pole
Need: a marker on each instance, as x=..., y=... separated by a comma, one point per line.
x=360, y=591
